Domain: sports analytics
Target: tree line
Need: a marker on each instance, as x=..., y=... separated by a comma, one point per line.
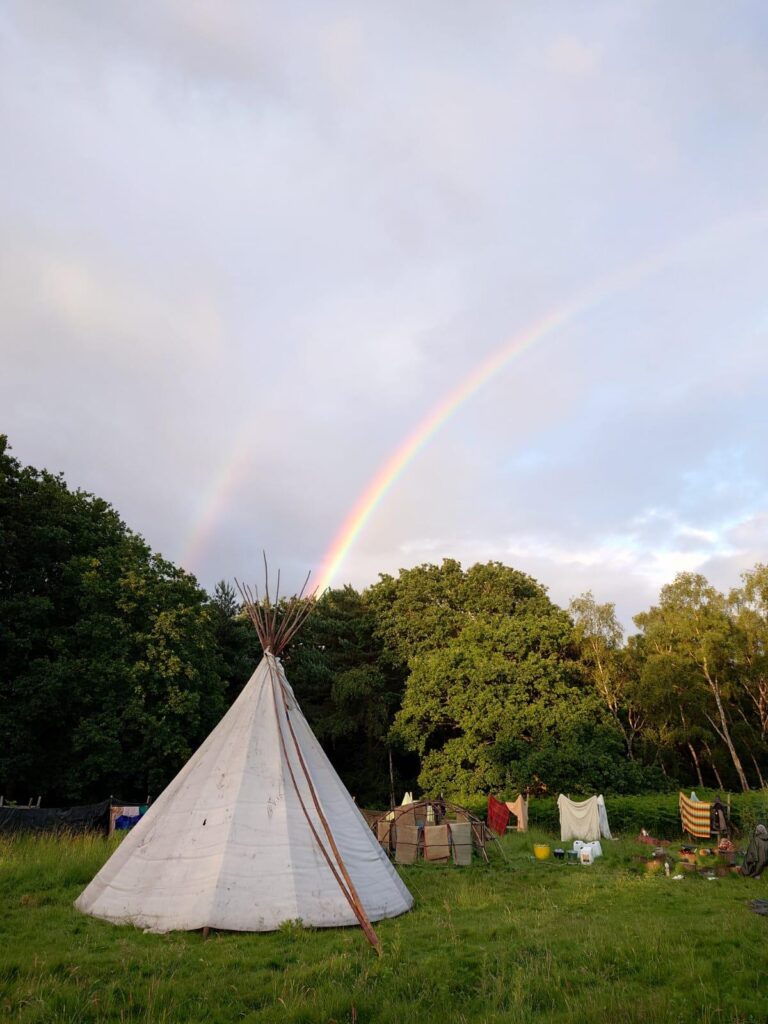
x=115, y=664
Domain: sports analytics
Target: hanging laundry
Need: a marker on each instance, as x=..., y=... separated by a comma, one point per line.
x=498, y=816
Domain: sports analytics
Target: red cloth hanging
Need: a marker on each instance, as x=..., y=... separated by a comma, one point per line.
x=498, y=816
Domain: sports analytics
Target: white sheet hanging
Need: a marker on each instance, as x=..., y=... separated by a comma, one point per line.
x=605, y=830
x=585, y=819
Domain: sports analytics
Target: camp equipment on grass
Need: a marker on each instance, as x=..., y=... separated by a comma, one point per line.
x=407, y=832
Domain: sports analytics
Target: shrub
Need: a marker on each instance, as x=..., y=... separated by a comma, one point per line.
x=657, y=813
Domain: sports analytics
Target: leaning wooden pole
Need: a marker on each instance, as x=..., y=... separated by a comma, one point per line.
x=341, y=875
x=367, y=927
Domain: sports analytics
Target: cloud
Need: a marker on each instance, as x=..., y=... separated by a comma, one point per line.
x=96, y=311
x=570, y=56
x=245, y=250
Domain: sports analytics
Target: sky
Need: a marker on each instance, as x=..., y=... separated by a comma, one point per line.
x=248, y=252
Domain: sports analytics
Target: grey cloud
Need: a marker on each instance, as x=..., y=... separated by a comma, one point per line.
x=275, y=238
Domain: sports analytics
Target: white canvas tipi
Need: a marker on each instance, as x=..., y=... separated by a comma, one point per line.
x=255, y=830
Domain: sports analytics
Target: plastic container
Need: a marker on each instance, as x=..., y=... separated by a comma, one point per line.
x=541, y=851
x=595, y=847
x=585, y=854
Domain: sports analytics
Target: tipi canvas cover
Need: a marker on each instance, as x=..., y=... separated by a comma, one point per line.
x=255, y=830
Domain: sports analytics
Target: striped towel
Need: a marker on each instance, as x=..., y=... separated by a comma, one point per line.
x=695, y=816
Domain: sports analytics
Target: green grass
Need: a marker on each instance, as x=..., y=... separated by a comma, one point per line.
x=521, y=941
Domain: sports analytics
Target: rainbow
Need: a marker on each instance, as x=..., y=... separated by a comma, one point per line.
x=394, y=466
x=219, y=496
x=226, y=481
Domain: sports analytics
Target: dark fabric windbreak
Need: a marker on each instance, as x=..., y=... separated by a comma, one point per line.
x=91, y=818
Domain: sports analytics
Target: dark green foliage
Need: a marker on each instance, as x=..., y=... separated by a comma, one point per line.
x=235, y=638
x=587, y=756
x=349, y=692
x=493, y=672
x=109, y=673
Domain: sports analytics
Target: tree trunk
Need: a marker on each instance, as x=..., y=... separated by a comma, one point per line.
x=695, y=757
x=725, y=731
x=622, y=728
x=757, y=769
x=635, y=721
x=630, y=742
x=714, y=766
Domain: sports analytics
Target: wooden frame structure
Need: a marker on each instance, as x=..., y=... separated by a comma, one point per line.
x=429, y=812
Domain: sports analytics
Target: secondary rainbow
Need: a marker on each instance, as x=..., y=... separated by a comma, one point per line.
x=219, y=496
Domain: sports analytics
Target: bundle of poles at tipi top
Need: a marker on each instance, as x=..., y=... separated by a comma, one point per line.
x=275, y=627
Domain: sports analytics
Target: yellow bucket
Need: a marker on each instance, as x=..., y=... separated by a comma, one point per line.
x=541, y=851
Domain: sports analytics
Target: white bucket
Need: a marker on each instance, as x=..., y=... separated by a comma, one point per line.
x=585, y=854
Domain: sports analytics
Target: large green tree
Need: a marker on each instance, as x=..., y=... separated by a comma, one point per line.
x=493, y=672
x=749, y=606
x=109, y=673
x=609, y=665
x=693, y=645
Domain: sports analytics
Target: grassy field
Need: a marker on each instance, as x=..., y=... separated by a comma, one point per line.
x=521, y=941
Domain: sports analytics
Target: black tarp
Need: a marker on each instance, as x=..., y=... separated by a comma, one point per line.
x=92, y=818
